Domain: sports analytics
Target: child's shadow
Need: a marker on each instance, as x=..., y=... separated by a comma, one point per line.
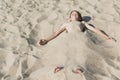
x=86, y=18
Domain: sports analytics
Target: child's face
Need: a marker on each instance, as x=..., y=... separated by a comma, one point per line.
x=74, y=16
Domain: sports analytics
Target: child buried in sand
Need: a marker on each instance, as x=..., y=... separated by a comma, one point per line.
x=73, y=27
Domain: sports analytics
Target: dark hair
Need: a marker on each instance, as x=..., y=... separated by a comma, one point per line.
x=79, y=15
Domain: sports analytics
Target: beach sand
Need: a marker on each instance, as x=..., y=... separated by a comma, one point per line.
x=24, y=22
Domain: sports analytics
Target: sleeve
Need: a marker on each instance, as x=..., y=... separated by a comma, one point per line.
x=65, y=25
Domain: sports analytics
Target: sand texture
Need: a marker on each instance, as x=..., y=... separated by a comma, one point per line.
x=24, y=22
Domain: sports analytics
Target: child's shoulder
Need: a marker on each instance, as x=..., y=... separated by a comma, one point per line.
x=66, y=23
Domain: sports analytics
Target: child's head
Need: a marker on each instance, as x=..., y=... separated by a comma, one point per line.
x=75, y=16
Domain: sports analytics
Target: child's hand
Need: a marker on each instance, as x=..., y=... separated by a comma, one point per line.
x=43, y=42
x=111, y=39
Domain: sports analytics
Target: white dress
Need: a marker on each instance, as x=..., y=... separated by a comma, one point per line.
x=76, y=41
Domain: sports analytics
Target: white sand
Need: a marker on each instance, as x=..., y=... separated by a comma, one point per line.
x=24, y=22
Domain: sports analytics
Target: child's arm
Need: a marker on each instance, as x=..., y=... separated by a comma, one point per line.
x=97, y=31
x=51, y=37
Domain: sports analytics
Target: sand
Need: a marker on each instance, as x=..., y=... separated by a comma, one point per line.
x=24, y=22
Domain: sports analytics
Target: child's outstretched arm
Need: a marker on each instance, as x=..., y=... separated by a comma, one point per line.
x=51, y=37
x=97, y=31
